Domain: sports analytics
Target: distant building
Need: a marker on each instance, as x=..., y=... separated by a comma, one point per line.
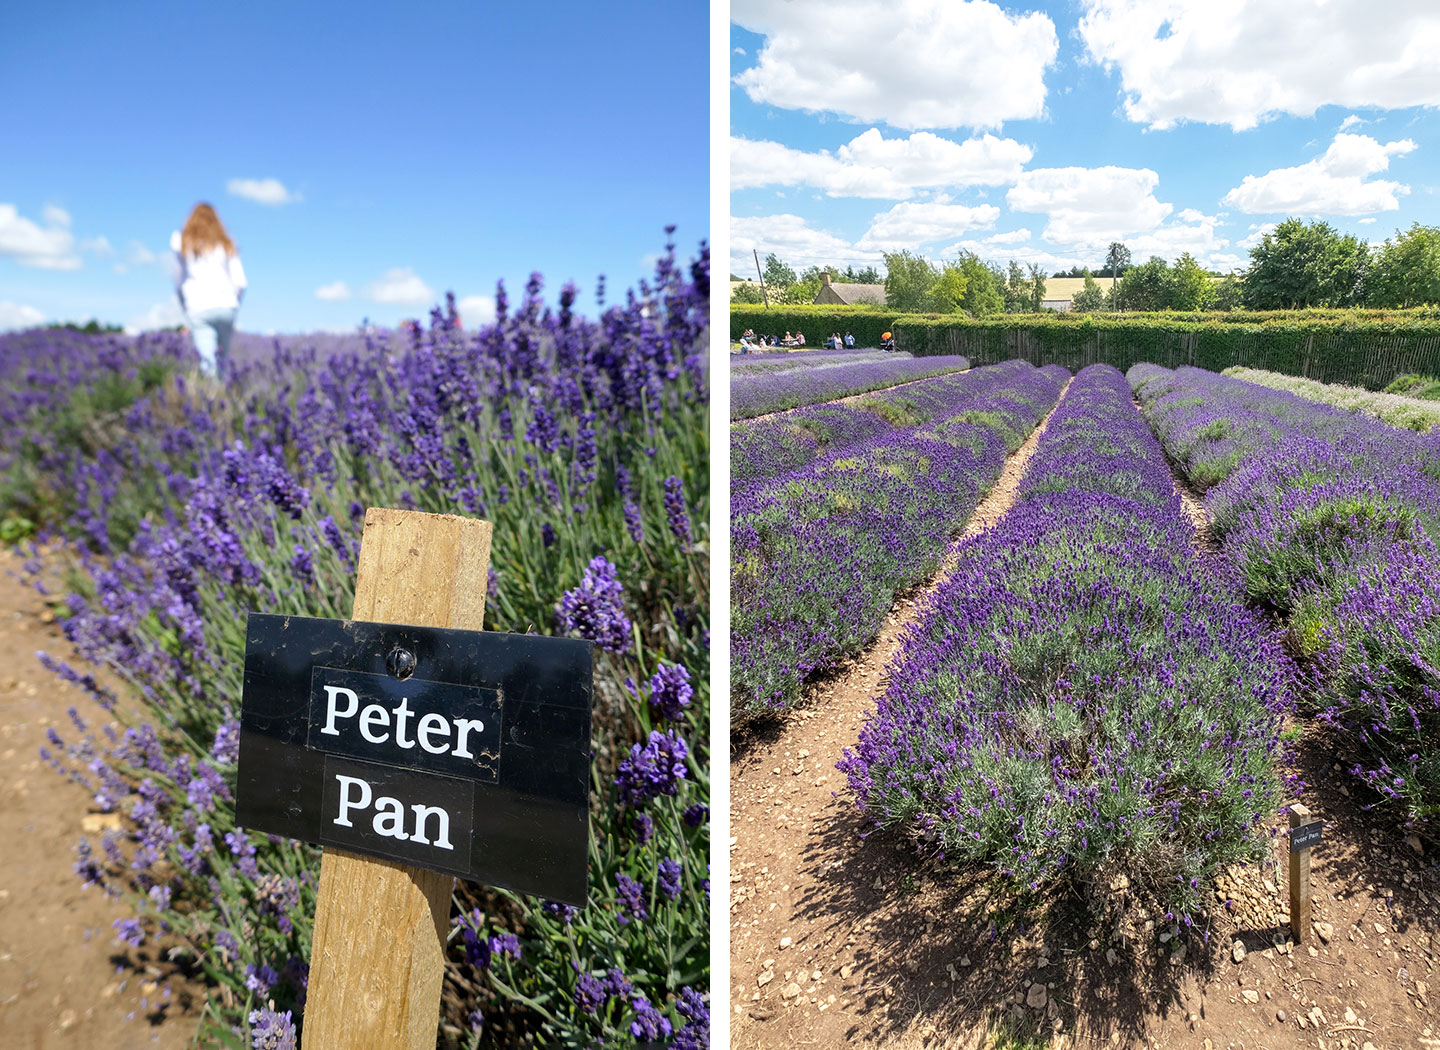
x=849, y=294
x=1062, y=305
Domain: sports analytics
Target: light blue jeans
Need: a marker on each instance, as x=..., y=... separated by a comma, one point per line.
x=211, y=330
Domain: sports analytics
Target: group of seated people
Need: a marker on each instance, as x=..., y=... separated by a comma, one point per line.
x=750, y=341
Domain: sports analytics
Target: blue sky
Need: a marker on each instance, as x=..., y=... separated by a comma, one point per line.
x=1043, y=132
x=389, y=151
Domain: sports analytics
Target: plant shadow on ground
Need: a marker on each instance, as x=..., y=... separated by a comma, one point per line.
x=918, y=922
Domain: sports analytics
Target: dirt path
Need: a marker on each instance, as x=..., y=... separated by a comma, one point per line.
x=841, y=938
x=64, y=979
x=804, y=883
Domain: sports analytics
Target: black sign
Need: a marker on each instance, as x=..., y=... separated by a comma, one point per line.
x=1305, y=836
x=465, y=752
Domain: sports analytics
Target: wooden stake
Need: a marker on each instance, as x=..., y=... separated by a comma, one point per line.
x=378, y=953
x=1299, y=880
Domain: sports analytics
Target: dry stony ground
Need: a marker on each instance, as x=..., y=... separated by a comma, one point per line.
x=838, y=936
x=64, y=979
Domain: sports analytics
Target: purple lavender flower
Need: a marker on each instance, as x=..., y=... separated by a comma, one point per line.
x=675, y=512
x=130, y=931
x=653, y=769
x=695, y=815
x=670, y=692
x=590, y=994
x=649, y=1023
x=668, y=878
x=695, y=1035
x=595, y=609
x=272, y=1030
x=631, y=895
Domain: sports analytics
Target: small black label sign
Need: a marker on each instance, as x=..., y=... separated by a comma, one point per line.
x=469, y=754
x=1305, y=836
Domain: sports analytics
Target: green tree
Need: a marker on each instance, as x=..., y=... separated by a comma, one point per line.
x=1089, y=299
x=948, y=291
x=777, y=274
x=1016, y=289
x=747, y=293
x=1117, y=261
x=1227, y=294
x=1037, y=288
x=1406, y=271
x=1145, y=287
x=1301, y=264
x=983, y=286
x=869, y=275
x=1190, y=285
x=908, y=280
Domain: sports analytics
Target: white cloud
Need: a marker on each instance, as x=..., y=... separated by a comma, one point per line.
x=907, y=63
x=99, y=246
x=792, y=239
x=262, y=191
x=1091, y=206
x=1351, y=121
x=1240, y=62
x=401, y=287
x=476, y=310
x=1019, y=236
x=1332, y=184
x=335, y=292
x=990, y=250
x=51, y=247
x=871, y=165
x=1257, y=234
x=739, y=51
x=16, y=315
x=1366, y=222
x=55, y=216
x=909, y=225
x=162, y=315
x=140, y=255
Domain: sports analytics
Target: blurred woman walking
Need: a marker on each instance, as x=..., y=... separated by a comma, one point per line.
x=211, y=283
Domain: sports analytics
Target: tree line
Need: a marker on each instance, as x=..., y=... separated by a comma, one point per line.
x=1294, y=266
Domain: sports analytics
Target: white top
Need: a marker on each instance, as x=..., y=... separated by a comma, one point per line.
x=212, y=281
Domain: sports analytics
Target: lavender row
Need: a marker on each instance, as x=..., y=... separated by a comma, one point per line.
x=755, y=395
x=1331, y=519
x=1084, y=697
x=741, y=364
x=818, y=554
x=763, y=448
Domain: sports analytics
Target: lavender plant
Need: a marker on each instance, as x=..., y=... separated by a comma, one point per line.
x=1085, y=697
x=1331, y=519
x=755, y=395
x=818, y=553
x=584, y=442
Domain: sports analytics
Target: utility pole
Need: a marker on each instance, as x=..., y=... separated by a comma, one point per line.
x=766, y=295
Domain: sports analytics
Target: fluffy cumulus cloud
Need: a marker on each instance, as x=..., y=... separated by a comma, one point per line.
x=871, y=165
x=401, y=287
x=910, y=225
x=476, y=310
x=17, y=315
x=262, y=191
x=792, y=239
x=335, y=292
x=908, y=63
x=1256, y=235
x=50, y=246
x=1090, y=205
x=994, y=250
x=1337, y=182
x=1239, y=62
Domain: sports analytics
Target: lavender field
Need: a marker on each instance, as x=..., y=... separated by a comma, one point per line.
x=170, y=508
x=1099, y=690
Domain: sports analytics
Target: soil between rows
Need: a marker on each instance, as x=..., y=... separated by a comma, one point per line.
x=838, y=936
x=65, y=981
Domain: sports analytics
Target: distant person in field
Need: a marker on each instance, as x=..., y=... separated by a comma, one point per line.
x=211, y=284
x=849, y=341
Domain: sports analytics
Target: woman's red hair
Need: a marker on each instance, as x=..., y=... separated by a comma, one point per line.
x=204, y=231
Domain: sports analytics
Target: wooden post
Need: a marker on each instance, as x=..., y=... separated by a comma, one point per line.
x=1299, y=879
x=378, y=953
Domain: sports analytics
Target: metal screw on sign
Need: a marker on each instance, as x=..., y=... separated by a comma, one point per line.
x=400, y=663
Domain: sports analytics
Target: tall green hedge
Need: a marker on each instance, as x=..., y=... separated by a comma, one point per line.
x=1363, y=348
x=817, y=322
